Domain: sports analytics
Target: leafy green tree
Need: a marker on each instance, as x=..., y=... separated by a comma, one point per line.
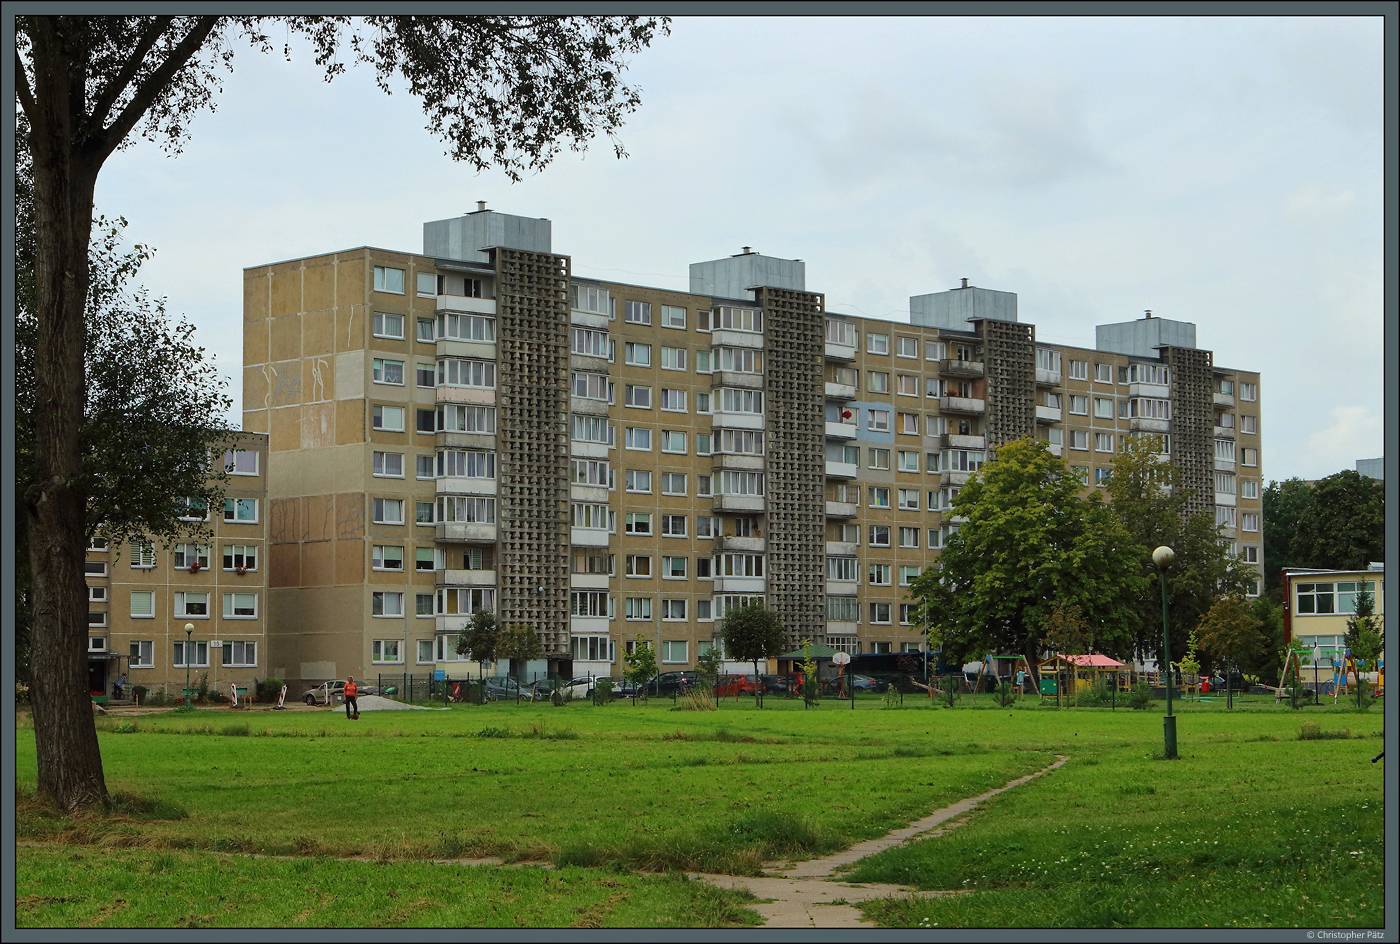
x=1364, y=639
x=1231, y=632
x=708, y=663
x=478, y=641
x=1067, y=632
x=1029, y=544
x=519, y=644
x=503, y=91
x=1284, y=504
x=1267, y=662
x=753, y=633
x=1336, y=523
x=1147, y=496
x=641, y=664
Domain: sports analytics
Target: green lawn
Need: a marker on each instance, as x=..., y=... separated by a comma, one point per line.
x=608, y=792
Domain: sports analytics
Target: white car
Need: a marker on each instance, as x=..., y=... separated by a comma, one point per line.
x=333, y=693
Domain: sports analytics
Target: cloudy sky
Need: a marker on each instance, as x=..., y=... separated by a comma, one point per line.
x=1222, y=171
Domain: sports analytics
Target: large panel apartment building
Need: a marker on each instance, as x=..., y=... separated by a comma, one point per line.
x=474, y=426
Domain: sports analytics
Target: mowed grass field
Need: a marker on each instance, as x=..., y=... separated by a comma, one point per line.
x=233, y=818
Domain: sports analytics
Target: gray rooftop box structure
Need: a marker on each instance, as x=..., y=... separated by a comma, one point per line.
x=739, y=275
x=1141, y=338
x=954, y=308
x=464, y=237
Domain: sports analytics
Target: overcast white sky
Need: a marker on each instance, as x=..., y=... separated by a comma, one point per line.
x=1222, y=171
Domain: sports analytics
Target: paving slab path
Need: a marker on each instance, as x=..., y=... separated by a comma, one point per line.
x=800, y=895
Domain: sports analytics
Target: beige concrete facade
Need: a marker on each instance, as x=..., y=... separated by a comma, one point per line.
x=376, y=377
x=141, y=597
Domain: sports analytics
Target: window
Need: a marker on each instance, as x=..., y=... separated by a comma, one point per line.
x=197, y=650
x=424, y=559
x=1103, y=373
x=1226, y=387
x=673, y=441
x=425, y=330
x=1103, y=407
x=425, y=421
x=590, y=472
x=638, y=396
x=1079, y=439
x=385, y=651
x=702, y=401
x=387, y=371
x=908, y=537
x=592, y=298
x=387, y=510
x=738, y=319
x=879, y=497
x=1249, y=391
x=143, y=555
x=673, y=650
x=908, y=461
x=1078, y=370
x=1224, y=483
x=1249, y=521
x=465, y=509
x=593, y=517
x=879, y=535
x=389, y=418
x=906, y=618
x=593, y=429
x=674, y=568
x=384, y=557
x=459, y=418
x=637, y=522
x=466, y=372
x=638, y=480
x=638, y=438
x=877, y=343
x=1249, y=424
x=933, y=387
x=704, y=362
x=672, y=316
x=1103, y=442
x=934, y=350
x=637, y=608
x=1079, y=405
x=907, y=575
x=1224, y=516
x=192, y=605
x=100, y=544
x=386, y=465
x=703, y=488
x=877, y=421
x=241, y=462
x=463, y=327
x=673, y=610
x=740, y=360
x=1225, y=450
x=638, y=565
x=1251, y=456
x=387, y=280
x=424, y=467
x=935, y=539
x=706, y=526
x=588, y=342
x=1101, y=477
x=740, y=483
x=97, y=594
x=386, y=603
x=1318, y=597
x=1249, y=488
x=906, y=347
x=240, y=605
x=672, y=483
x=908, y=423
x=191, y=555
x=142, y=654
x=1251, y=553
x=879, y=613
x=636, y=312
x=243, y=510
x=99, y=568
x=738, y=400
x=704, y=444
x=672, y=358
x=143, y=604
x=878, y=575
x=877, y=381
x=426, y=284
x=906, y=385
x=636, y=355
x=909, y=497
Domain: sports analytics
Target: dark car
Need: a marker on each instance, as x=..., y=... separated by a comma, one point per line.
x=623, y=688
x=501, y=688
x=861, y=683
x=775, y=684
x=672, y=683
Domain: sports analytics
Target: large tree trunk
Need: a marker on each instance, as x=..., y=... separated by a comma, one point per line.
x=69, y=763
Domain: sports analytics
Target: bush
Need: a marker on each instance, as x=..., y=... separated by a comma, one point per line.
x=268, y=689
x=1312, y=731
x=1140, y=698
x=602, y=691
x=1005, y=695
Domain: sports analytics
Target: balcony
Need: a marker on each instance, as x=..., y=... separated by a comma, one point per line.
x=841, y=627
x=464, y=533
x=460, y=485
x=453, y=347
x=588, y=405
x=841, y=548
x=1047, y=378
x=588, y=581
x=955, y=441
x=588, y=319
x=592, y=625
x=738, y=420
x=592, y=494
x=583, y=449
x=1224, y=432
x=840, y=430
x=740, y=585
x=732, y=460
x=1224, y=465
x=966, y=405
x=1148, y=424
x=588, y=537
x=1056, y=449
x=953, y=478
x=837, y=351
x=465, y=303
x=1223, y=399
x=721, y=337
x=476, y=396
x=466, y=578
x=1225, y=498
x=740, y=503
x=840, y=509
x=734, y=378
x=750, y=543
x=450, y=440
x=840, y=391
x=841, y=470
x=840, y=588
x=1047, y=415
x=1155, y=391
x=952, y=367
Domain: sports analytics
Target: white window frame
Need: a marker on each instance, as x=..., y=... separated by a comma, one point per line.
x=382, y=599
x=380, y=462
x=183, y=599
x=231, y=607
x=381, y=371
x=386, y=652
x=385, y=277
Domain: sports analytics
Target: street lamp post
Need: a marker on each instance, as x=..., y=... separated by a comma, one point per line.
x=1316, y=701
x=1163, y=558
x=189, y=632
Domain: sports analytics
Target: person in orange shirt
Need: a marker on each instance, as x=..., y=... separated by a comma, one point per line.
x=352, y=706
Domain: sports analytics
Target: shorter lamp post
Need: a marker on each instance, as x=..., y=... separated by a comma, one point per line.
x=1316, y=700
x=189, y=632
x=1163, y=558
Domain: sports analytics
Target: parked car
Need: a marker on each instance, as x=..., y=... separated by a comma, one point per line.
x=623, y=688
x=501, y=688
x=672, y=683
x=735, y=685
x=574, y=688
x=333, y=693
x=861, y=683
x=775, y=684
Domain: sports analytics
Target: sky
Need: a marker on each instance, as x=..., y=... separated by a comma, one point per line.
x=1225, y=171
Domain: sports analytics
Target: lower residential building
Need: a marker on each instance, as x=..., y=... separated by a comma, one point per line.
x=1317, y=607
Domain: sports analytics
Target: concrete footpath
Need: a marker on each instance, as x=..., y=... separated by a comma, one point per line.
x=800, y=895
